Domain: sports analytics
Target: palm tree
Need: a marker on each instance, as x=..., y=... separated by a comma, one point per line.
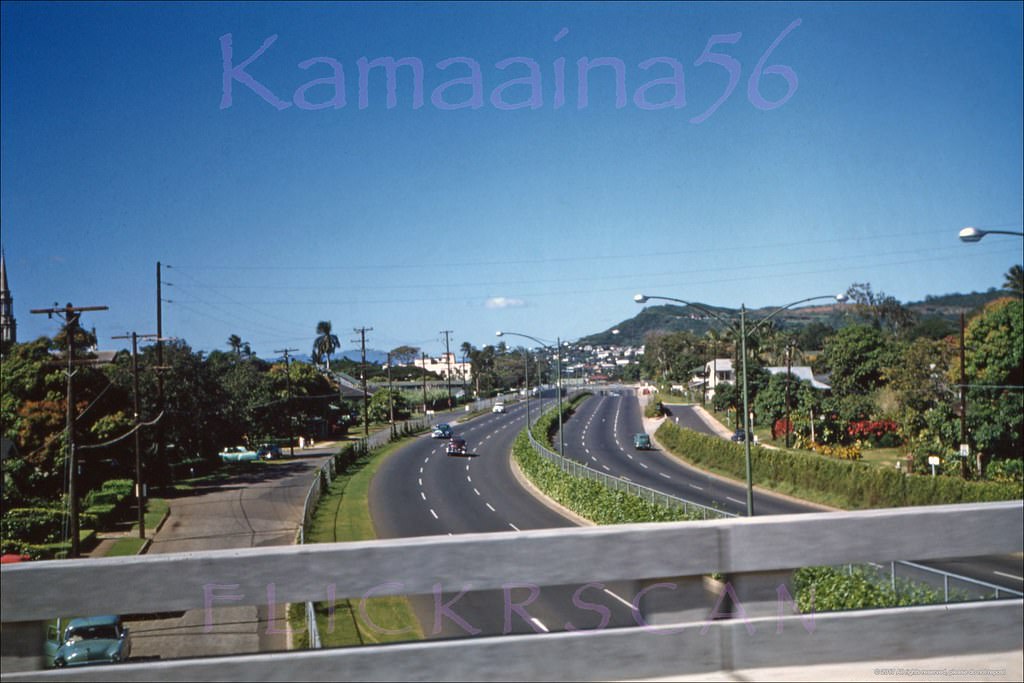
x=325, y=343
x=235, y=342
x=1015, y=280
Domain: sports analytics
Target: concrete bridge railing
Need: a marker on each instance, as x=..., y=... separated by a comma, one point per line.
x=673, y=640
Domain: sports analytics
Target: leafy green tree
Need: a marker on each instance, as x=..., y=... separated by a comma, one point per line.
x=994, y=342
x=918, y=378
x=326, y=343
x=402, y=355
x=1014, y=282
x=856, y=356
x=879, y=309
x=380, y=408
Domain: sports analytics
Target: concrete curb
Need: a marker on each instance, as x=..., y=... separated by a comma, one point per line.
x=543, y=498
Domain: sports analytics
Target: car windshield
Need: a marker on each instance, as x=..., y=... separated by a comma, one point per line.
x=108, y=631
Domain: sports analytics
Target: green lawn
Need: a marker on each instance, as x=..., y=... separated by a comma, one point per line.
x=343, y=514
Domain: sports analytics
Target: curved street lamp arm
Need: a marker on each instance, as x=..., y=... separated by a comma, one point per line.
x=641, y=299
x=840, y=298
x=502, y=333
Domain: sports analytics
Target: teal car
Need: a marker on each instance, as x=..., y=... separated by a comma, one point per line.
x=238, y=454
x=642, y=442
x=89, y=640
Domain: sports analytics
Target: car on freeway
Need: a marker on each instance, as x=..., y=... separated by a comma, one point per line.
x=238, y=454
x=442, y=431
x=739, y=436
x=270, y=451
x=642, y=442
x=456, y=446
x=89, y=640
x=499, y=407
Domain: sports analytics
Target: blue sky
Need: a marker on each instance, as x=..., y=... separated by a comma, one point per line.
x=904, y=126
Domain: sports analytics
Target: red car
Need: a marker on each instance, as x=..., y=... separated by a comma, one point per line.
x=457, y=446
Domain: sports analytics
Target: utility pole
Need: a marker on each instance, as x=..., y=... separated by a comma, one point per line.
x=288, y=379
x=789, y=379
x=139, y=496
x=71, y=315
x=362, y=378
x=964, y=446
x=159, y=435
x=423, y=359
x=391, y=399
x=448, y=360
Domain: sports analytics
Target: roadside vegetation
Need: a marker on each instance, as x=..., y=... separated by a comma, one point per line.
x=343, y=514
x=893, y=381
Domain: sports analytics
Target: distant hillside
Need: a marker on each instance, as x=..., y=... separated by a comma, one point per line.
x=673, y=318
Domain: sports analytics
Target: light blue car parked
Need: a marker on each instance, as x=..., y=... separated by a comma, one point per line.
x=238, y=454
x=90, y=640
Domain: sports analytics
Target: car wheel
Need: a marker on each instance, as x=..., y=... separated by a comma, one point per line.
x=59, y=663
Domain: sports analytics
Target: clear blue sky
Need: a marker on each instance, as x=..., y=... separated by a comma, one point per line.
x=905, y=126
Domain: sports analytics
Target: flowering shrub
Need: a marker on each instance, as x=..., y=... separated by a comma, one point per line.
x=876, y=432
x=782, y=427
x=841, y=452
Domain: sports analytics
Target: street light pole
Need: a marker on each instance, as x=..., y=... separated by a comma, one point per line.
x=643, y=298
x=558, y=383
x=975, y=235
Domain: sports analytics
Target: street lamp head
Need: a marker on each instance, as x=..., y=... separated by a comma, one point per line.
x=640, y=299
x=615, y=331
x=841, y=298
x=971, y=235
x=499, y=333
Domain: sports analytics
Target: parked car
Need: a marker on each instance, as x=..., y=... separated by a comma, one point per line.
x=642, y=442
x=442, y=431
x=238, y=454
x=499, y=407
x=270, y=451
x=456, y=446
x=90, y=640
x=739, y=436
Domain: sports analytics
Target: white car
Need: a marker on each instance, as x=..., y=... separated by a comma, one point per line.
x=499, y=407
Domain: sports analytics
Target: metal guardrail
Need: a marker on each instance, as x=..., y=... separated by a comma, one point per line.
x=654, y=496
x=954, y=587
x=751, y=552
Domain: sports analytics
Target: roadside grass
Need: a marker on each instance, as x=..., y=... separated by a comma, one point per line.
x=343, y=514
x=129, y=545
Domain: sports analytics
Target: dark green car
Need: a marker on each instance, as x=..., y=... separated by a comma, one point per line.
x=641, y=442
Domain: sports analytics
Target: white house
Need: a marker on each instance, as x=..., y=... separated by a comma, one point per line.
x=720, y=371
x=440, y=366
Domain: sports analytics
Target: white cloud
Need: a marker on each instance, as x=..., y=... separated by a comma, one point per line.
x=504, y=302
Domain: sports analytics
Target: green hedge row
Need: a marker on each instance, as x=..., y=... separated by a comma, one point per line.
x=829, y=589
x=586, y=497
x=38, y=525
x=48, y=551
x=856, y=484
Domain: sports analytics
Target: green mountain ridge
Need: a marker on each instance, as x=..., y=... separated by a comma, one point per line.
x=938, y=312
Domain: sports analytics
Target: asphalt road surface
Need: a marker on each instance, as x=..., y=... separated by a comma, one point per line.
x=259, y=506
x=421, y=491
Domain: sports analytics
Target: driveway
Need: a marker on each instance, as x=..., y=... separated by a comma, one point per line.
x=261, y=506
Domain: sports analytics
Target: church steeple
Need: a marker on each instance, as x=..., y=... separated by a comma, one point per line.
x=8, y=326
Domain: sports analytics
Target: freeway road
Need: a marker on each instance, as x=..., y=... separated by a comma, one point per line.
x=421, y=491
x=600, y=435
x=259, y=506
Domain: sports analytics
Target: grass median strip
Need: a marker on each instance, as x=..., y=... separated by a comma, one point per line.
x=343, y=514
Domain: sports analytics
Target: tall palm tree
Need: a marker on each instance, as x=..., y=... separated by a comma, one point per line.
x=235, y=342
x=325, y=343
x=1015, y=280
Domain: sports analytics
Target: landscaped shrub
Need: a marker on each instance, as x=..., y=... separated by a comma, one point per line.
x=828, y=589
x=856, y=484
